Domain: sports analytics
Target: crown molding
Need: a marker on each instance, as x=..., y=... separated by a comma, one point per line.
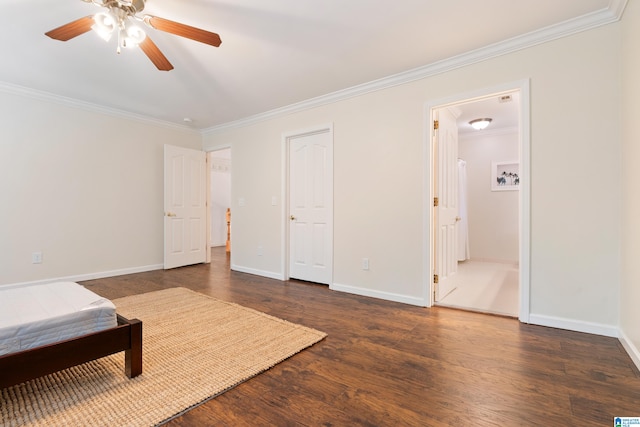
x=610, y=14
x=39, y=95
x=617, y=8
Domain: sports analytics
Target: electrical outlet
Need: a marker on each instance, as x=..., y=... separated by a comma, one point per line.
x=365, y=263
x=260, y=251
x=36, y=258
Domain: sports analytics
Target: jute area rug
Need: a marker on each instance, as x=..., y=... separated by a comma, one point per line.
x=194, y=347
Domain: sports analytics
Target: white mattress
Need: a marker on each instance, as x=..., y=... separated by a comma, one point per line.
x=36, y=315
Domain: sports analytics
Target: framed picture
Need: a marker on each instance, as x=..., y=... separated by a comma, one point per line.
x=505, y=176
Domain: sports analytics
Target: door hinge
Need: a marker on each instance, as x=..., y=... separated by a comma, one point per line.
x=436, y=202
x=435, y=279
x=436, y=124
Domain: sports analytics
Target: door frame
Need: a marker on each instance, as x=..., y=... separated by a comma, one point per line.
x=523, y=86
x=284, y=192
x=210, y=194
x=208, y=152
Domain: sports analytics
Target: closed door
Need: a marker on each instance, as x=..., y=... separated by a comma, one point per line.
x=446, y=213
x=184, y=207
x=311, y=206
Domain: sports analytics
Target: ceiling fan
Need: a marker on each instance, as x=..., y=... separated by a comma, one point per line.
x=120, y=18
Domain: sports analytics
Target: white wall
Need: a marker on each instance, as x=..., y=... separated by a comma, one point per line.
x=492, y=215
x=378, y=170
x=630, y=288
x=255, y=175
x=82, y=187
x=86, y=188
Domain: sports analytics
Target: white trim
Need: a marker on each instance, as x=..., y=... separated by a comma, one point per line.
x=208, y=151
x=631, y=349
x=525, y=201
x=523, y=86
x=217, y=147
x=608, y=15
x=256, y=272
x=207, y=208
x=39, y=95
x=427, y=208
x=93, y=276
x=284, y=207
x=405, y=299
x=284, y=193
x=574, y=325
x=616, y=7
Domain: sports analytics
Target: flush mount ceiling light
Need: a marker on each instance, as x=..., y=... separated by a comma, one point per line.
x=479, y=124
x=120, y=18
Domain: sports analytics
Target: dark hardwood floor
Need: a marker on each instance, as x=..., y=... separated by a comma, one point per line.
x=390, y=364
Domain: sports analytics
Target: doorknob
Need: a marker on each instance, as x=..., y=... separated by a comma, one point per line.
x=171, y=214
x=293, y=218
x=458, y=219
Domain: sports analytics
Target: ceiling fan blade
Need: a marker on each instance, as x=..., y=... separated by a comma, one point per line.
x=72, y=29
x=183, y=30
x=153, y=53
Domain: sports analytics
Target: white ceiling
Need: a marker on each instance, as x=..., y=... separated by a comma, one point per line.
x=274, y=53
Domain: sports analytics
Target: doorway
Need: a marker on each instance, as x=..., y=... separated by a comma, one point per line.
x=220, y=184
x=488, y=232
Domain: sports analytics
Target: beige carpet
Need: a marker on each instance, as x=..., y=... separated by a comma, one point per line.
x=487, y=287
x=195, y=347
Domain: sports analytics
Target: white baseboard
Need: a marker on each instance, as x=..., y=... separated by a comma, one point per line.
x=535, y=319
x=631, y=349
x=92, y=276
x=378, y=294
x=574, y=325
x=256, y=272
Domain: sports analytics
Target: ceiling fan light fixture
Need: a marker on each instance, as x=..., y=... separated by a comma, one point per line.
x=119, y=19
x=135, y=35
x=104, y=24
x=479, y=124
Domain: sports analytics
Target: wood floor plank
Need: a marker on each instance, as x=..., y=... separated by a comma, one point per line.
x=390, y=364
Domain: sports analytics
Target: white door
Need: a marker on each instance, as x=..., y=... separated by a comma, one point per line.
x=311, y=207
x=185, y=219
x=446, y=213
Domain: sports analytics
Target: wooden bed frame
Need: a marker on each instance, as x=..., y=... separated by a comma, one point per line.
x=16, y=368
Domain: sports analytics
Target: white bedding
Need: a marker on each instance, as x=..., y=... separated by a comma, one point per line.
x=35, y=315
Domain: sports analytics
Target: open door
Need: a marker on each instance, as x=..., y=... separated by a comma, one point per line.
x=185, y=211
x=446, y=207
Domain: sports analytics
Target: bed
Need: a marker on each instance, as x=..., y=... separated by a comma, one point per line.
x=45, y=328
